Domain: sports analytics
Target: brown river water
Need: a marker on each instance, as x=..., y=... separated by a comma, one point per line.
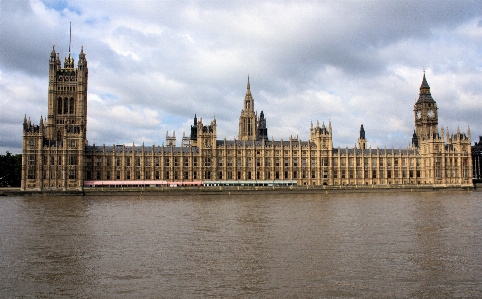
x=371, y=245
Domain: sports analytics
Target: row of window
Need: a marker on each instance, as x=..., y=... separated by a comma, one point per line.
x=65, y=106
x=248, y=175
x=248, y=162
x=52, y=174
x=53, y=160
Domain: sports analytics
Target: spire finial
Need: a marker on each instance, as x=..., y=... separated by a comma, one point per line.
x=70, y=38
x=249, y=87
x=424, y=81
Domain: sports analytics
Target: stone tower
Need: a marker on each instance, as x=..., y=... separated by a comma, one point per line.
x=53, y=151
x=362, y=142
x=425, y=112
x=248, y=118
x=262, y=128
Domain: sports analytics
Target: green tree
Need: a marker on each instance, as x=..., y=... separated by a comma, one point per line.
x=10, y=170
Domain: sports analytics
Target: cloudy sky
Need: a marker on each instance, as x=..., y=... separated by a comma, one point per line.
x=154, y=64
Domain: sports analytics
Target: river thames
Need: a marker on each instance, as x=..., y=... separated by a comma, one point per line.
x=368, y=245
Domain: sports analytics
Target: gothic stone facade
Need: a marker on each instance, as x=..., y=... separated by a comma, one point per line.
x=57, y=156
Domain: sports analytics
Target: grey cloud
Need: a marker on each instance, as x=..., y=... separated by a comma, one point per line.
x=368, y=55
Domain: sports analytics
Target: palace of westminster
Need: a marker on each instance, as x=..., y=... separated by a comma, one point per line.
x=57, y=156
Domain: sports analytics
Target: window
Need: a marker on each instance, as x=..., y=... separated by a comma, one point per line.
x=128, y=161
x=73, y=160
x=59, y=106
x=66, y=106
x=207, y=161
x=31, y=159
x=325, y=162
x=71, y=106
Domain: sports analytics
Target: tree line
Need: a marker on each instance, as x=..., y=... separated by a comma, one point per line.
x=10, y=170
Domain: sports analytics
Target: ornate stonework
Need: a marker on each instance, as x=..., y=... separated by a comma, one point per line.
x=57, y=156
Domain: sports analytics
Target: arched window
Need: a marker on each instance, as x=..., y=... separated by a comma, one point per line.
x=59, y=106
x=66, y=106
x=71, y=106
x=59, y=136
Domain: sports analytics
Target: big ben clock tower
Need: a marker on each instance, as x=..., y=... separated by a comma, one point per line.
x=425, y=111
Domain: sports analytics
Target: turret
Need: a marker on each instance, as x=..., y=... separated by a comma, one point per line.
x=361, y=140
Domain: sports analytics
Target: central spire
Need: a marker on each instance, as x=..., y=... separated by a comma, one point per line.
x=248, y=118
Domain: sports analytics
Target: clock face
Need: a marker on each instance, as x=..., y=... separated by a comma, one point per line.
x=419, y=114
x=431, y=114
